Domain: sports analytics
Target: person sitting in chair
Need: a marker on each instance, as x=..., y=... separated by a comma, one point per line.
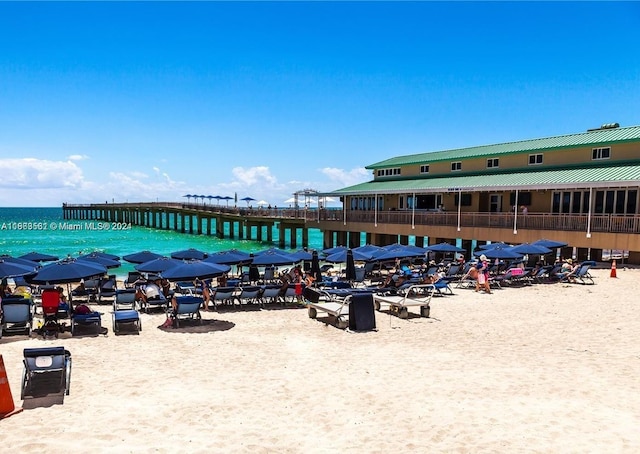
x=151, y=291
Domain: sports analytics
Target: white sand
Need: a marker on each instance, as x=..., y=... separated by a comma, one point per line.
x=546, y=368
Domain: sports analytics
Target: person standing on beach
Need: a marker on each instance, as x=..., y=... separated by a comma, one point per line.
x=483, y=275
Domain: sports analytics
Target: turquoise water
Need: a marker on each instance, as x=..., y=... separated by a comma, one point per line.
x=24, y=230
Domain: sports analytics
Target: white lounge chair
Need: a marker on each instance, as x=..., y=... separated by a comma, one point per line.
x=414, y=296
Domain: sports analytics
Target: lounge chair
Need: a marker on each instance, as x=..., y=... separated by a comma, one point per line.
x=107, y=289
x=249, y=294
x=88, y=290
x=187, y=308
x=124, y=313
x=16, y=315
x=132, y=278
x=46, y=377
x=159, y=301
x=415, y=296
x=270, y=294
x=223, y=295
x=580, y=275
x=85, y=321
x=355, y=311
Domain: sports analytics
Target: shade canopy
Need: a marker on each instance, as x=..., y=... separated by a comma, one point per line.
x=341, y=256
x=141, y=257
x=274, y=258
x=444, y=247
x=533, y=249
x=189, y=254
x=67, y=270
x=158, y=265
x=39, y=257
x=230, y=257
x=102, y=260
x=500, y=253
x=551, y=244
x=195, y=269
x=10, y=269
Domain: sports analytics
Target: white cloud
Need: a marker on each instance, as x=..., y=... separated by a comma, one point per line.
x=347, y=178
x=30, y=173
x=77, y=157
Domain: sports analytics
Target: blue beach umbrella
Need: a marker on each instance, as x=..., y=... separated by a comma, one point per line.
x=102, y=260
x=444, y=247
x=498, y=252
x=67, y=270
x=248, y=199
x=551, y=244
x=195, y=269
x=333, y=250
x=342, y=256
x=101, y=254
x=21, y=261
x=367, y=249
x=533, y=249
x=189, y=254
x=230, y=257
x=301, y=254
x=157, y=265
x=39, y=257
x=274, y=259
x=10, y=269
x=141, y=257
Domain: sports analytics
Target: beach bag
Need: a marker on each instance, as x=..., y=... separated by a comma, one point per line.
x=82, y=309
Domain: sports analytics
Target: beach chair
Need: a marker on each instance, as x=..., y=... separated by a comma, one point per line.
x=269, y=294
x=415, y=296
x=107, y=289
x=46, y=376
x=16, y=315
x=581, y=275
x=186, y=288
x=249, y=294
x=187, y=308
x=223, y=295
x=125, y=316
x=132, y=278
x=159, y=301
x=84, y=321
x=355, y=311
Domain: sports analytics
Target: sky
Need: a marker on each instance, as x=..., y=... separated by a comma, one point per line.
x=146, y=101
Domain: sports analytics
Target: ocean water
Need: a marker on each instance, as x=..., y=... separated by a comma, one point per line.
x=23, y=230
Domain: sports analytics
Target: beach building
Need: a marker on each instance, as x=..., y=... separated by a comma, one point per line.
x=580, y=188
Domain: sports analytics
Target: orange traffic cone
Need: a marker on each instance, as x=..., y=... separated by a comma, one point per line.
x=613, y=269
x=7, y=407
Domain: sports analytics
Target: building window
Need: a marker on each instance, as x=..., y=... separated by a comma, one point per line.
x=424, y=168
x=456, y=166
x=535, y=159
x=492, y=163
x=389, y=172
x=601, y=153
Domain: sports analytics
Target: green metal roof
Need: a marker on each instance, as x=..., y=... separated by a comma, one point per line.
x=589, y=138
x=580, y=177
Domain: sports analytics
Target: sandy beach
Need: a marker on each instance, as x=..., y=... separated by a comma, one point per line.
x=545, y=368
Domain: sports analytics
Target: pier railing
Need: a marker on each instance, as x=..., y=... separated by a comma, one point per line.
x=615, y=223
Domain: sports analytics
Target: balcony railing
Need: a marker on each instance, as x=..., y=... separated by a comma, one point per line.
x=616, y=223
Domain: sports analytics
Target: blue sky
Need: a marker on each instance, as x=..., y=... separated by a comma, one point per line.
x=151, y=101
